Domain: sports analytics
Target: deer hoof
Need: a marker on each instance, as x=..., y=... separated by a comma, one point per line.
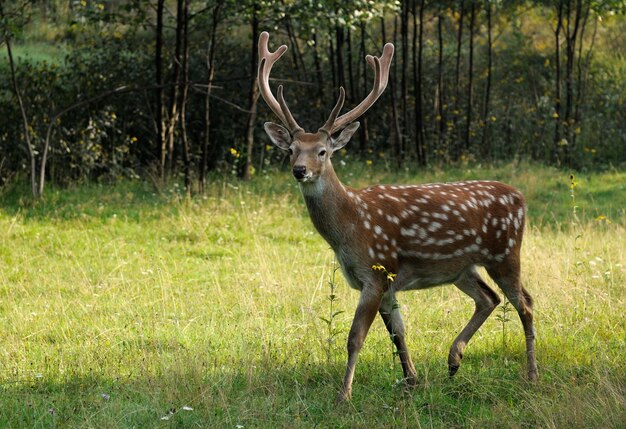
x=452, y=369
x=342, y=397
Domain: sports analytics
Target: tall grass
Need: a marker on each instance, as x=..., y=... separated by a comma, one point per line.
x=122, y=307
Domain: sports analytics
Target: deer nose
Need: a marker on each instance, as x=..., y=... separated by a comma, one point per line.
x=299, y=171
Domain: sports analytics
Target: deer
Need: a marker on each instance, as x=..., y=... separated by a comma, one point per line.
x=425, y=234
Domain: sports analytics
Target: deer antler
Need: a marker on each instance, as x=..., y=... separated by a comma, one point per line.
x=328, y=126
x=267, y=60
x=380, y=65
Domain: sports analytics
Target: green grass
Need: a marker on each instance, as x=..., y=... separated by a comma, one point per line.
x=119, y=304
x=34, y=52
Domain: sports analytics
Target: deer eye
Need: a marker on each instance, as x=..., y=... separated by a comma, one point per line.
x=290, y=150
x=322, y=152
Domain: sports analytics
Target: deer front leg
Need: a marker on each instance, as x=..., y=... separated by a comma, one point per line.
x=390, y=313
x=369, y=303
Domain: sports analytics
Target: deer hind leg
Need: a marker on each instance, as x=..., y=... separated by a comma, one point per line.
x=369, y=303
x=506, y=275
x=486, y=301
x=390, y=313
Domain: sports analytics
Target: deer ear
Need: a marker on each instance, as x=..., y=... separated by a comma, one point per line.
x=278, y=135
x=345, y=136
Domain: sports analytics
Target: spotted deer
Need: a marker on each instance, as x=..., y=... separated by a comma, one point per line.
x=427, y=235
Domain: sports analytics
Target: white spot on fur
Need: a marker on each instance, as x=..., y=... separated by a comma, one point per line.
x=434, y=226
x=408, y=232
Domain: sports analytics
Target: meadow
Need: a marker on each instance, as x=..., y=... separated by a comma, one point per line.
x=122, y=306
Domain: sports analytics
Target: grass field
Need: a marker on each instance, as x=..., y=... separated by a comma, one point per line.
x=123, y=307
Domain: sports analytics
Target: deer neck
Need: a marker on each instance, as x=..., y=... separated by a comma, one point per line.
x=330, y=208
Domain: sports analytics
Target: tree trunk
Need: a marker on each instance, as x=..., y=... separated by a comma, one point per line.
x=557, y=79
x=158, y=64
x=404, y=84
x=363, y=134
x=440, y=112
x=457, y=84
x=183, y=99
x=397, y=135
x=571, y=39
x=350, y=68
x=331, y=60
x=298, y=60
x=470, y=74
x=583, y=66
x=318, y=75
x=207, y=99
x=29, y=146
x=418, y=47
x=254, y=96
x=341, y=78
x=485, y=118
x=174, y=107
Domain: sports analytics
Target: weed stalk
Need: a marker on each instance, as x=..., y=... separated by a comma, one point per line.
x=332, y=329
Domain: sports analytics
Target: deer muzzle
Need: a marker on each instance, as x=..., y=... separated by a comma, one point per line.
x=299, y=172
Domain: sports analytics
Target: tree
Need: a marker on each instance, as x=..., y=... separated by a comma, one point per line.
x=216, y=13
x=254, y=92
x=10, y=21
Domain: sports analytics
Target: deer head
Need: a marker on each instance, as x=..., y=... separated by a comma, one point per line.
x=310, y=153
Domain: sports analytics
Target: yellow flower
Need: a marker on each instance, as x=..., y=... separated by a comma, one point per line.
x=603, y=218
x=234, y=152
x=369, y=162
x=390, y=276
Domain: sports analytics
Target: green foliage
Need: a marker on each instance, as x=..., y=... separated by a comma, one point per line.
x=96, y=47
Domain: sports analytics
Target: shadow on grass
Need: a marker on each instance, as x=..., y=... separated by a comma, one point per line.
x=267, y=395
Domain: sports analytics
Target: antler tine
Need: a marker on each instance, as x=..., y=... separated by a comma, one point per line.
x=267, y=60
x=289, y=120
x=328, y=126
x=381, y=76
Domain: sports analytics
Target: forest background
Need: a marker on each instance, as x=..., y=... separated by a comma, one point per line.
x=101, y=90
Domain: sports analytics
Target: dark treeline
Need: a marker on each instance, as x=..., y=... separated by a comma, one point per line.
x=167, y=88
